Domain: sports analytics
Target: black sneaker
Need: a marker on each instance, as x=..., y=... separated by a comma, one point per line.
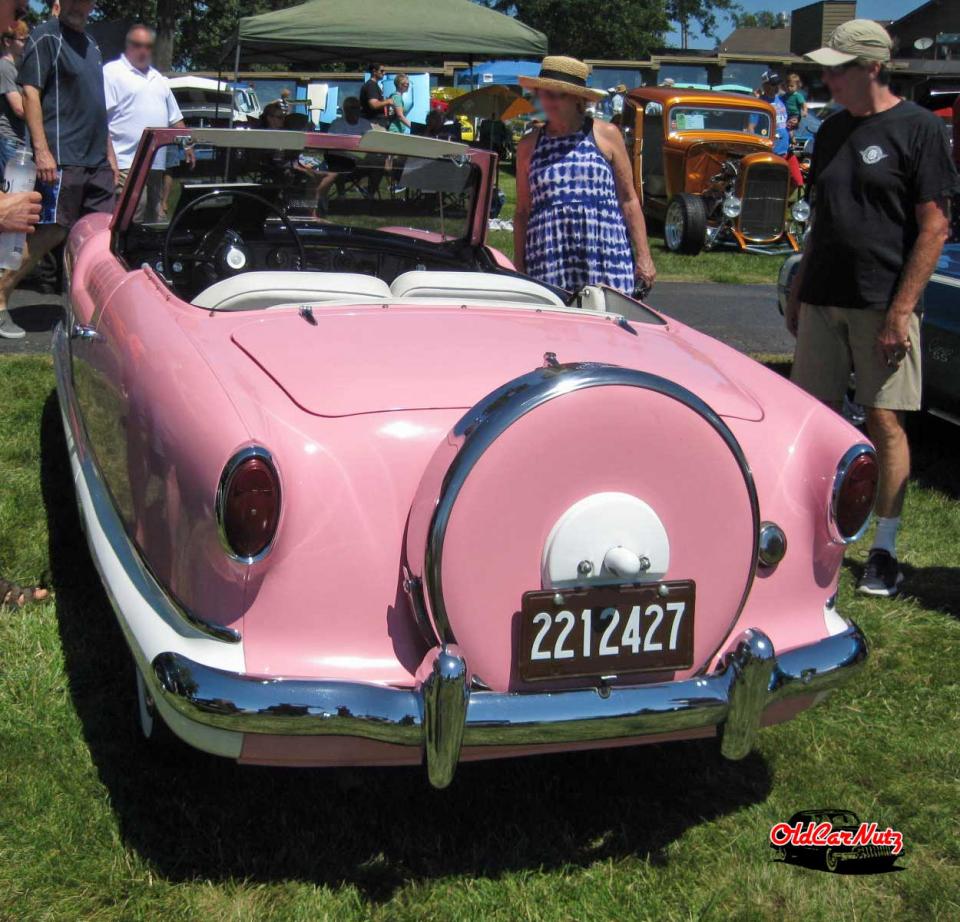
x=881, y=576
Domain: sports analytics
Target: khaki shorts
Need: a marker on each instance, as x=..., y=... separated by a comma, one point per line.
x=833, y=341
x=148, y=208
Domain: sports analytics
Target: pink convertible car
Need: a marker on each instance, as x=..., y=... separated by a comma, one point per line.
x=362, y=494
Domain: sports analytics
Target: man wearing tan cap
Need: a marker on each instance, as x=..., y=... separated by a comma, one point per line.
x=881, y=179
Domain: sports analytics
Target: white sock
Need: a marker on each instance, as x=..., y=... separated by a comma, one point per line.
x=885, y=536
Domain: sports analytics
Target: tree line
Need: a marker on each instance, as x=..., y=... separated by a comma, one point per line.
x=193, y=33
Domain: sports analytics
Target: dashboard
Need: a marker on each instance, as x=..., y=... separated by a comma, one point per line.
x=326, y=249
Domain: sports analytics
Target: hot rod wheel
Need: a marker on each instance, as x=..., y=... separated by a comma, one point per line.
x=685, y=224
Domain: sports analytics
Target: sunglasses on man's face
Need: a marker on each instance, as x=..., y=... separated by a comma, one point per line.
x=147, y=46
x=551, y=94
x=839, y=70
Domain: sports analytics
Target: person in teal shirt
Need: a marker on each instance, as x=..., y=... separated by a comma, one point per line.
x=795, y=101
x=399, y=121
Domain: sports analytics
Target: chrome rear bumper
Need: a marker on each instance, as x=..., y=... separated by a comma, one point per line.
x=444, y=714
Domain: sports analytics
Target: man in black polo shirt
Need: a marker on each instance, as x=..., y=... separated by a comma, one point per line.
x=882, y=177
x=63, y=100
x=372, y=104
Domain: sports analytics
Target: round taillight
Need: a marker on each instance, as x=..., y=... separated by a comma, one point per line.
x=854, y=493
x=248, y=504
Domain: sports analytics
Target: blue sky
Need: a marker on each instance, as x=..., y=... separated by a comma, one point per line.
x=866, y=9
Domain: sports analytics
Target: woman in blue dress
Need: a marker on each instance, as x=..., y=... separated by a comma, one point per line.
x=577, y=210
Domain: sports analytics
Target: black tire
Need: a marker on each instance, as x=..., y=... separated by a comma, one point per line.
x=830, y=860
x=685, y=224
x=156, y=733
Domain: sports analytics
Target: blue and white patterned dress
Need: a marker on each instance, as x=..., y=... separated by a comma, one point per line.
x=576, y=234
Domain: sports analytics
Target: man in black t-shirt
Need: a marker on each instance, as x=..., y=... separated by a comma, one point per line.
x=881, y=178
x=372, y=104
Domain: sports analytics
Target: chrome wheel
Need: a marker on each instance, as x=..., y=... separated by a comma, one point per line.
x=673, y=226
x=831, y=860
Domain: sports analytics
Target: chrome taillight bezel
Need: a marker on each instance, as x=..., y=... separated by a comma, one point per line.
x=843, y=469
x=238, y=458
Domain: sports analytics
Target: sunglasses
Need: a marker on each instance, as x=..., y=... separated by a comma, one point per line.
x=839, y=70
x=551, y=94
x=146, y=45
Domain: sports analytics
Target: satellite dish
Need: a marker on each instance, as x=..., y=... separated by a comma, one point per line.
x=922, y=44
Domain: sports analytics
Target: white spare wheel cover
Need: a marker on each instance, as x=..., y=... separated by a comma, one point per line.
x=573, y=463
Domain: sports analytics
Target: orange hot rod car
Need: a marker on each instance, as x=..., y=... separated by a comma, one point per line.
x=703, y=163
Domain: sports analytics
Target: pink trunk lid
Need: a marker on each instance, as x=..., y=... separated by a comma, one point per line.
x=441, y=357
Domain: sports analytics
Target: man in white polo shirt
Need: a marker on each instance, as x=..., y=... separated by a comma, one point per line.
x=139, y=97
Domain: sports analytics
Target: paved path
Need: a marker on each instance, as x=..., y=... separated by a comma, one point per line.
x=744, y=316
x=38, y=315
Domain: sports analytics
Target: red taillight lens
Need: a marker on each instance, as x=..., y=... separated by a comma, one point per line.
x=249, y=506
x=854, y=493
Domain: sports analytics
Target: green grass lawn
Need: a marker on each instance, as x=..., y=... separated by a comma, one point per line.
x=95, y=826
x=721, y=266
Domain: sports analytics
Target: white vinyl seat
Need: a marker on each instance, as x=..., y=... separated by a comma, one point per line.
x=471, y=287
x=258, y=290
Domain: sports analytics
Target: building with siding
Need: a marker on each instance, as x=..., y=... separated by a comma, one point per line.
x=812, y=25
x=936, y=19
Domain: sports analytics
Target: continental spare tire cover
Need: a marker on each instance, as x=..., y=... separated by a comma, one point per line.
x=568, y=463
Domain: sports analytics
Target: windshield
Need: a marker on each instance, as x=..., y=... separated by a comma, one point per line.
x=236, y=201
x=315, y=187
x=718, y=118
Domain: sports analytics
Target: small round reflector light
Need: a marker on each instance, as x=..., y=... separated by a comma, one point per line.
x=248, y=504
x=854, y=493
x=772, y=546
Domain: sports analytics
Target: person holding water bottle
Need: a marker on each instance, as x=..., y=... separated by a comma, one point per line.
x=63, y=101
x=19, y=211
x=18, y=214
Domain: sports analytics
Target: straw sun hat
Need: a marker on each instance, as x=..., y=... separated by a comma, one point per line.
x=564, y=75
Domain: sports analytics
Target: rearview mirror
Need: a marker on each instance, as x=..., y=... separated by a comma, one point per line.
x=653, y=108
x=444, y=175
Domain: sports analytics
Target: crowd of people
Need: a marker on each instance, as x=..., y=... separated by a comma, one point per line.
x=880, y=163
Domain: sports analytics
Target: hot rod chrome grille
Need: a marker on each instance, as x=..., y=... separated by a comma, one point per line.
x=764, y=201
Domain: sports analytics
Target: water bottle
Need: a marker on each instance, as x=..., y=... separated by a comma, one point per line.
x=20, y=175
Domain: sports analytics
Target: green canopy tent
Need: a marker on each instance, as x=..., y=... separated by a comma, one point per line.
x=395, y=31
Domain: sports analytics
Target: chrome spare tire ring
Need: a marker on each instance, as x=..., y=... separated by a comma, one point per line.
x=494, y=414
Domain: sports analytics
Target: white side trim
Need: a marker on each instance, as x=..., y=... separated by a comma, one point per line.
x=217, y=742
x=147, y=617
x=835, y=622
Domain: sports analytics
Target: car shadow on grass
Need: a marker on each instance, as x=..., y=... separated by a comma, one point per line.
x=196, y=816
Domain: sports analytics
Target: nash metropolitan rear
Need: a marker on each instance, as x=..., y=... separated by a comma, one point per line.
x=362, y=494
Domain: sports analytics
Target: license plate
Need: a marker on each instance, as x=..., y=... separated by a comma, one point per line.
x=606, y=630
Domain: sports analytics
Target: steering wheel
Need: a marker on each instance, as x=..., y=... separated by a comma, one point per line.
x=204, y=252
